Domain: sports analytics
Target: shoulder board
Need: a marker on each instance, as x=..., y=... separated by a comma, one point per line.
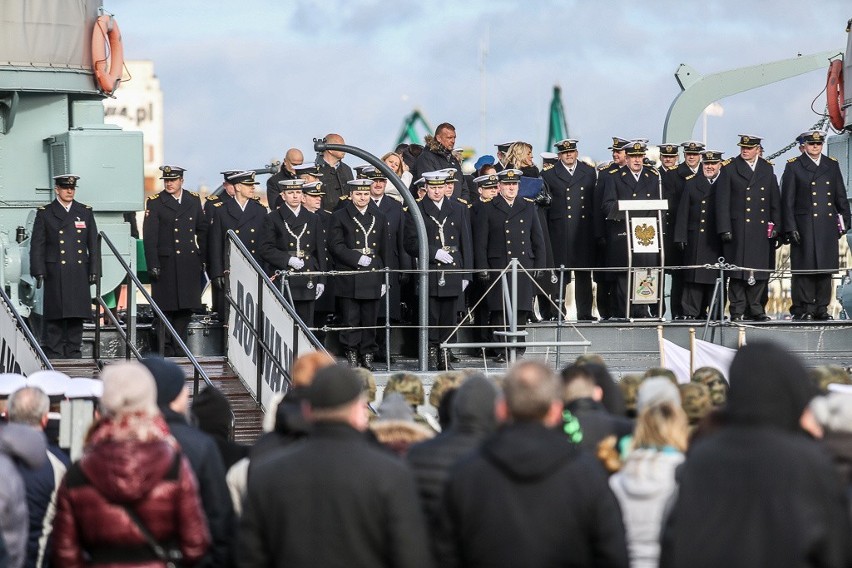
x=217, y=204
x=256, y=198
x=42, y=207
x=487, y=200
x=690, y=176
x=462, y=200
x=604, y=165
x=155, y=196
x=344, y=197
x=612, y=171
x=653, y=169
x=671, y=169
x=791, y=160
x=622, y=173
x=529, y=200
x=213, y=198
x=726, y=162
x=192, y=193
x=420, y=199
x=770, y=163
x=87, y=206
x=546, y=167
x=832, y=158
x=405, y=209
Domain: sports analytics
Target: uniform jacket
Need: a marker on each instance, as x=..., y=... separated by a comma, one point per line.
x=812, y=199
x=554, y=507
x=622, y=185
x=570, y=216
x=228, y=216
x=154, y=479
x=398, y=258
x=326, y=302
x=176, y=243
x=696, y=226
x=501, y=233
x=212, y=201
x=457, y=239
x=334, y=500
x=334, y=182
x=64, y=249
x=347, y=242
x=746, y=202
x=280, y=229
x=673, y=184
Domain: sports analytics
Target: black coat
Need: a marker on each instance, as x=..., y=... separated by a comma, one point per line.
x=176, y=243
x=211, y=202
x=746, y=202
x=279, y=243
x=454, y=217
x=333, y=500
x=622, y=185
x=228, y=216
x=435, y=157
x=527, y=497
x=674, y=181
x=812, y=198
x=334, y=182
x=326, y=302
x=570, y=217
x=64, y=249
x=502, y=233
x=346, y=241
x=696, y=226
x=398, y=258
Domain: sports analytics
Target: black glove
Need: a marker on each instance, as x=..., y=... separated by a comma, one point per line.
x=93, y=278
x=39, y=280
x=154, y=274
x=482, y=276
x=726, y=237
x=794, y=238
x=543, y=199
x=219, y=282
x=681, y=246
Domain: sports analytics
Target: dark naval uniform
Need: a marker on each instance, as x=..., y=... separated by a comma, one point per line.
x=696, y=227
x=273, y=190
x=503, y=232
x=605, y=280
x=674, y=181
x=286, y=235
x=63, y=250
x=447, y=229
x=623, y=185
x=325, y=304
x=397, y=257
x=813, y=203
x=176, y=244
x=351, y=236
x=570, y=219
x=746, y=203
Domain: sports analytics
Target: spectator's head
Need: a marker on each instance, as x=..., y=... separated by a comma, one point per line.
x=408, y=385
x=715, y=382
x=445, y=135
x=519, y=155
x=445, y=409
x=171, y=384
x=696, y=401
x=129, y=388
x=578, y=382
x=629, y=387
x=369, y=382
x=306, y=366
x=769, y=387
x=661, y=372
x=593, y=358
x=337, y=395
x=473, y=405
x=825, y=375
x=29, y=405
x=213, y=414
x=394, y=162
x=530, y=394
x=443, y=383
x=661, y=421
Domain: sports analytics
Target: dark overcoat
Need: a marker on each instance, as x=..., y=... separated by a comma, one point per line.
x=352, y=235
x=696, y=226
x=227, y=216
x=284, y=235
x=570, y=217
x=64, y=249
x=813, y=197
x=175, y=237
x=501, y=233
x=398, y=258
x=746, y=202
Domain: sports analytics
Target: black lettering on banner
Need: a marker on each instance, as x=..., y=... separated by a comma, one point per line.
x=8, y=362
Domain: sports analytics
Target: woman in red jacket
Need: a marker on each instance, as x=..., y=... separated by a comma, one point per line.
x=131, y=467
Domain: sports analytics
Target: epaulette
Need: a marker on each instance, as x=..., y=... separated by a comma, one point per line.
x=791, y=160
x=405, y=209
x=671, y=169
x=462, y=200
x=770, y=162
x=604, y=165
x=344, y=197
x=486, y=200
x=192, y=193
x=832, y=158
x=726, y=162
x=155, y=196
x=546, y=167
x=217, y=204
x=87, y=206
x=528, y=199
x=420, y=199
x=256, y=198
x=42, y=207
x=213, y=198
x=612, y=171
x=690, y=176
x=622, y=173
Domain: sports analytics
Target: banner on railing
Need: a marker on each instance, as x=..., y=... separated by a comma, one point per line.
x=16, y=353
x=285, y=340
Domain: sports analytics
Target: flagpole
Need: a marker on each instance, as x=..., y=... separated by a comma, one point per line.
x=662, y=347
x=691, y=351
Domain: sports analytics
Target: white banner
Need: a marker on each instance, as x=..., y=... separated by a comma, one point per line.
x=645, y=235
x=16, y=353
x=278, y=327
x=711, y=355
x=676, y=358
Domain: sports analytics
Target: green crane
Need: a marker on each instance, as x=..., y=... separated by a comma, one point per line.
x=557, y=125
x=408, y=134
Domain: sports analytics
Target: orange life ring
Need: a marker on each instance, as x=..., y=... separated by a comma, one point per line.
x=107, y=76
x=834, y=94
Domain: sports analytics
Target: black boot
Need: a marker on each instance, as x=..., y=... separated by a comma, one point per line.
x=352, y=358
x=444, y=361
x=433, y=358
x=452, y=356
x=367, y=361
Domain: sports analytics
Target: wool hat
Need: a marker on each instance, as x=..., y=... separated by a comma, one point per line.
x=655, y=390
x=128, y=387
x=334, y=386
x=169, y=379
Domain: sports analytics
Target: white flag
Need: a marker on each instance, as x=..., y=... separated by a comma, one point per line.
x=676, y=358
x=711, y=355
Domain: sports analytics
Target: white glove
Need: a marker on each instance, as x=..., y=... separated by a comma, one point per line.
x=443, y=256
x=364, y=260
x=320, y=290
x=296, y=263
x=384, y=290
x=464, y=284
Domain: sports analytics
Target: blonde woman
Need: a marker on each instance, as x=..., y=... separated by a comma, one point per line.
x=647, y=479
x=520, y=156
x=395, y=162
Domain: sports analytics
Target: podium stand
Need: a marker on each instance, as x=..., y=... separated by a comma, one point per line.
x=644, y=235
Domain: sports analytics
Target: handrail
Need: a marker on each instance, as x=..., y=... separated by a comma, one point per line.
x=199, y=372
x=27, y=332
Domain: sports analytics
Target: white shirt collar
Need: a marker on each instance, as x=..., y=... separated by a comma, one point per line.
x=377, y=200
x=439, y=203
x=752, y=165
x=817, y=160
x=68, y=207
x=362, y=211
x=636, y=175
x=295, y=211
x=695, y=169
x=571, y=169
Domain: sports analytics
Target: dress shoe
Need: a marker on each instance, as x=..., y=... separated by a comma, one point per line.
x=444, y=361
x=737, y=317
x=352, y=358
x=823, y=317
x=367, y=361
x=761, y=317
x=806, y=317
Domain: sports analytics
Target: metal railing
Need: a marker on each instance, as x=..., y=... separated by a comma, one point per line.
x=135, y=284
x=25, y=329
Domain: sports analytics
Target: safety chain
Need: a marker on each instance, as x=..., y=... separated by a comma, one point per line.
x=817, y=126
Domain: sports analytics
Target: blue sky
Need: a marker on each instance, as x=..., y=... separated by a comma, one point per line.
x=243, y=82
